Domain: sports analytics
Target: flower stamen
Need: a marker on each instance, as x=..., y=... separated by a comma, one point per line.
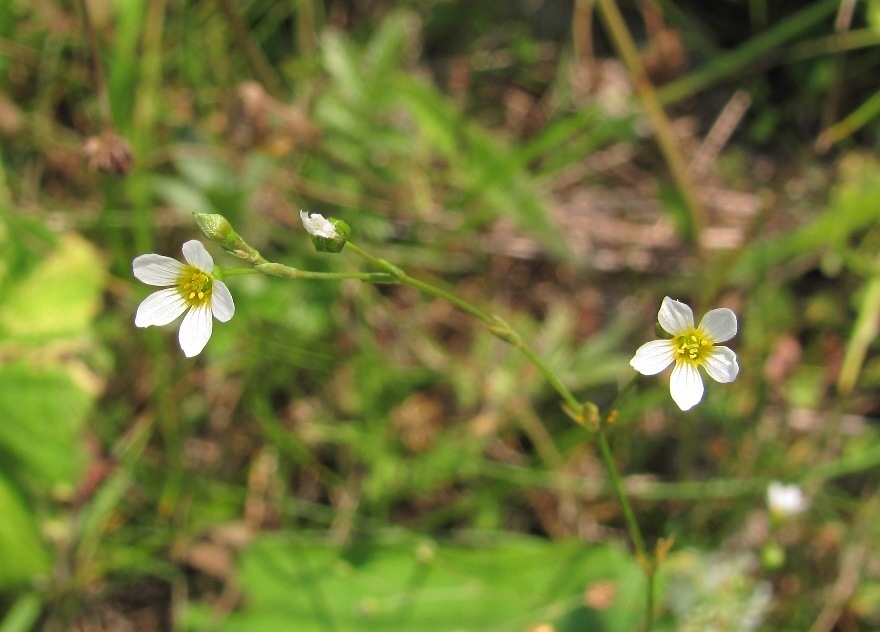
x=692, y=346
x=195, y=287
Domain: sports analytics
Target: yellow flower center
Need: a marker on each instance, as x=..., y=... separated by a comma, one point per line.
x=692, y=347
x=195, y=286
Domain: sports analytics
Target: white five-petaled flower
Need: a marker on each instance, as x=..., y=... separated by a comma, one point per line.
x=318, y=226
x=689, y=348
x=785, y=500
x=189, y=287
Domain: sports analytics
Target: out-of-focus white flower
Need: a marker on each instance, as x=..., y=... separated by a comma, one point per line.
x=786, y=500
x=189, y=287
x=689, y=348
x=318, y=226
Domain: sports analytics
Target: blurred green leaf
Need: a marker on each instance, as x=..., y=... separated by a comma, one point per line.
x=854, y=207
x=388, y=43
x=58, y=297
x=24, y=555
x=23, y=614
x=872, y=14
x=43, y=410
x=340, y=61
x=406, y=583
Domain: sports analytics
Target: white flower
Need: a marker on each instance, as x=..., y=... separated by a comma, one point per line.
x=189, y=287
x=785, y=500
x=690, y=347
x=318, y=226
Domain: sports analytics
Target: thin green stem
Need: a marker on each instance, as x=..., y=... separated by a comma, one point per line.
x=281, y=270
x=616, y=482
x=441, y=293
x=496, y=325
x=230, y=272
x=404, y=279
x=646, y=562
x=548, y=374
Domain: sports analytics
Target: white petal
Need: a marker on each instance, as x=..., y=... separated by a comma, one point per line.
x=675, y=317
x=686, y=386
x=160, y=308
x=721, y=364
x=196, y=255
x=221, y=302
x=195, y=330
x=652, y=357
x=317, y=225
x=719, y=324
x=156, y=269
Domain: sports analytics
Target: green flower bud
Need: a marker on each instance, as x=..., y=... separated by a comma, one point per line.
x=217, y=228
x=328, y=235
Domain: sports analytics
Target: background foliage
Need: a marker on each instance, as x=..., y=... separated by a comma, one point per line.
x=346, y=456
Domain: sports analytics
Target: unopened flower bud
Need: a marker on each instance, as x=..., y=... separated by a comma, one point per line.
x=217, y=228
x=328, y=235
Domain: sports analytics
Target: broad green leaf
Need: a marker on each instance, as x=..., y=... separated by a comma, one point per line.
x=24, y=555
x=42, y=410
x=57, y=298
x=508, y=583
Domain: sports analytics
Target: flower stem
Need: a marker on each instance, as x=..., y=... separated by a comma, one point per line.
x=404, y=279
x=647, y=563
x=496, y=324
x=635, y=533
x=281, y=270
x=229, y=272
x=547, y=372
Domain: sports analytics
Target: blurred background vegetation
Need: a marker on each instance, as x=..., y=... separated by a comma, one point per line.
x=350, y=457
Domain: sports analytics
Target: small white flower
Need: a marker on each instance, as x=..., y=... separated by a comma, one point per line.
x=689, y=348
x=786, y=500
x=318, y=226
x=189, y=287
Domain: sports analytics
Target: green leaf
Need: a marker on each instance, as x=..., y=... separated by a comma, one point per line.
x=382, y=54
x=42, y=412
x=57, y=298
x=23, y=614
x=406, y=583
x=854, y=207
x=340, y=62
x=24, y=555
